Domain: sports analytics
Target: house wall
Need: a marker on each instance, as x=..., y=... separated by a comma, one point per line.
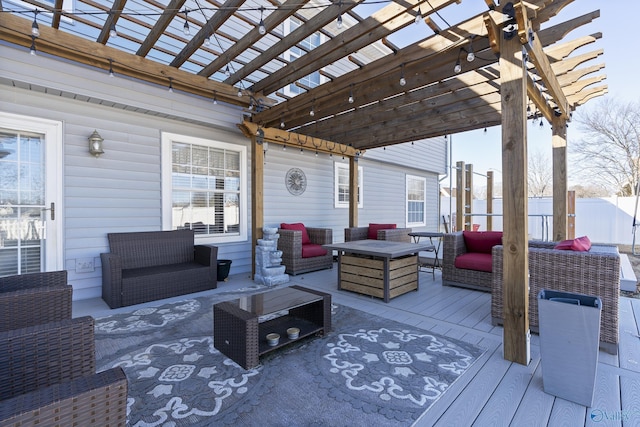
x=121, y=190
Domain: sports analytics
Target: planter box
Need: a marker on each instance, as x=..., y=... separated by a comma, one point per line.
x=569, y=338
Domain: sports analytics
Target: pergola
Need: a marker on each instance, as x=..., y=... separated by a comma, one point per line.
x=370, y=92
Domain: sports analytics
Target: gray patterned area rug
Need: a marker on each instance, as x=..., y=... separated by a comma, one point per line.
x=368, y=371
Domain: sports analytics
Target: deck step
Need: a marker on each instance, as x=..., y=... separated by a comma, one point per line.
x=628, y=281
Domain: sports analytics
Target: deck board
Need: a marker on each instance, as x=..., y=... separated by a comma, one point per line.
x=494, y=392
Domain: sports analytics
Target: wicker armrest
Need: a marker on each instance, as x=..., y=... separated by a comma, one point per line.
x=99, y=398
x=31, y=299
x=290, y=242
x=42, y=355
x=395, y=234
x=33, y=280
x=320, y=236
x=206, y=255
x=355, y=233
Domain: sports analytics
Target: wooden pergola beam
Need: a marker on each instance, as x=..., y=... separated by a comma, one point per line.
x=297, y=140
x=537, y=55
x=17, y=30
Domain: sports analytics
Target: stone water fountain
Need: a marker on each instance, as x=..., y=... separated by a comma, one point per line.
x=269, y=270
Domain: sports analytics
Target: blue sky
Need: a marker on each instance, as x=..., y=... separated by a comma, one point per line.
x=618, y=24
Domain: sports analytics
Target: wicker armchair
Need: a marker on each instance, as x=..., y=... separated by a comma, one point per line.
x=290, y=243
x=596, y=272
x=47, y=378
x=361, y=233
x=34, y=298
x=454, y=245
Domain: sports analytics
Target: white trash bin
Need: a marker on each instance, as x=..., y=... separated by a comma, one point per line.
x=569, y=341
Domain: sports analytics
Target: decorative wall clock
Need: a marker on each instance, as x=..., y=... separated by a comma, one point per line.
x=296, y=181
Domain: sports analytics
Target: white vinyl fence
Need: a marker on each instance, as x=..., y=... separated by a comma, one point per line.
x=603, y=220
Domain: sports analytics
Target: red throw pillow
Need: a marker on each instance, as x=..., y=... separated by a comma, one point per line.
x=481, y=241
x=300, y=227
x=373, y=230
x=580, y=244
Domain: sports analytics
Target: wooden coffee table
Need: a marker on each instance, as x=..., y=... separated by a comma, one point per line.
x=240, y=326
x=380, y=268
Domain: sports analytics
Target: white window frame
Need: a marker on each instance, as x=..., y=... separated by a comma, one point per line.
x=167, y=187
x=424, y=200
x=337, y=203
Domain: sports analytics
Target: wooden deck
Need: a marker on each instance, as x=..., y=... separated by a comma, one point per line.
x=495, y=392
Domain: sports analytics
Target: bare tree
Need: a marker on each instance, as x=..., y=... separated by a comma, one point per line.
x=589, y=191
x=608, y=154
x=540, y=175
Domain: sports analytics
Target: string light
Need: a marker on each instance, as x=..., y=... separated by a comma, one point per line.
x=470, y=55
x=113, y=33
x=239, y=92
x=171, y=84
x=227, y=72
x=32, y=49
x=207, y=42
x=457, y=68
x=261, y=28
x=351, y=99
x=185, y=29
x=110, y=67
x=418, y=16
x=281, y=123
x=215, y=98
x=339, y=23
x=35, y=28
x=403, y=81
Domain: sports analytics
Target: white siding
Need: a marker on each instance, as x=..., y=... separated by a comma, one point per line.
x=121, y=190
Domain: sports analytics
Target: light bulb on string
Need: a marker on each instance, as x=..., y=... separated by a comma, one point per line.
x=32, y=49
x=403, y=81
x=185, y=29
x=113, y=33
x=35, y=28
x=351, y=99
x=339, y=23
x=418, y=16
x=261, y=28
x=111, y=68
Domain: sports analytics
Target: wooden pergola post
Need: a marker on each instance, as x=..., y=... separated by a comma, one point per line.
x=460, y=193
x=257, y=199
x=560, y=185
x=489, y=200
x=468, y=196
x=516, y=340
x=353, y=191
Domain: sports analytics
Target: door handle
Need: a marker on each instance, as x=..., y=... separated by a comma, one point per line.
x=53, y=211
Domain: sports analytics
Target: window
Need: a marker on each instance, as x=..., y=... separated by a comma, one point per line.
x=341, y=191
x=295, y=52
x=416, y=193
x=204, y=187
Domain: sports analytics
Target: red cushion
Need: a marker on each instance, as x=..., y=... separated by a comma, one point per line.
x=580, y=244
x=481, y=241
x=311, y=250
x=300, y=227
x=373, y=229
x=474, y=261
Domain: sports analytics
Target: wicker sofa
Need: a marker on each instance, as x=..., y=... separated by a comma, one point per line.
x=147, y=266
x=596, y=272
x=34, y=298
x=363, y=233
x=48, y=378
x=453, y=246
x=291, y=244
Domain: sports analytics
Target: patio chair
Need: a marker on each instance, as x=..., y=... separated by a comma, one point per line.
x=379, y=232
x=595, y=272
x=302, y=249
x=34, y=298
x=47, y=378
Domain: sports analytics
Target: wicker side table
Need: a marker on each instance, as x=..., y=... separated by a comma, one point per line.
x=240, y=327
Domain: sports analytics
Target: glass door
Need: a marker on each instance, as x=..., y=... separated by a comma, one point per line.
x=28, y=232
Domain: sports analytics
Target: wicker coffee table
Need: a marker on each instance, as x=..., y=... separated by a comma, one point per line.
x=240, y=326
